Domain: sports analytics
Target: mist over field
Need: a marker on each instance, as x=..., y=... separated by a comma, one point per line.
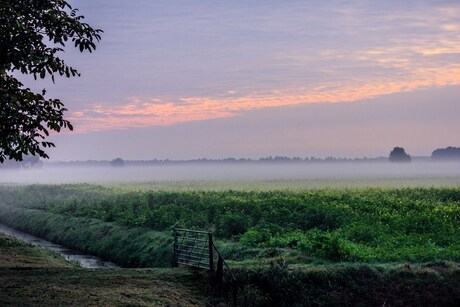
x=428, y=173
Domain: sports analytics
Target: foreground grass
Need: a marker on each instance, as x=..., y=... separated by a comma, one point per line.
x=32, y=276
x=122, y=287
x=15, y=254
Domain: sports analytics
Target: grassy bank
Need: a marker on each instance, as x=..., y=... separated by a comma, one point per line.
x=15, y=254
x=435, y=284
x=128, y=247
x=30, y=276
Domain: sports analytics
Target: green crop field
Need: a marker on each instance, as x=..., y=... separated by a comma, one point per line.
x=366, y=225
x=261, y=232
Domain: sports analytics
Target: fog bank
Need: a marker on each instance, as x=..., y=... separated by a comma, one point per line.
x=363, y=171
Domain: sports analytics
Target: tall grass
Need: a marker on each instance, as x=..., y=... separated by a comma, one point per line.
x=350, y=285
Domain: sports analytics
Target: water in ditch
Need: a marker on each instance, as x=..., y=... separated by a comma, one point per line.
x=84, y=260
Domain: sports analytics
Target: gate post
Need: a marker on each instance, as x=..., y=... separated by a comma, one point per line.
x=211, y=252
x=175, y=264
x=220, y=270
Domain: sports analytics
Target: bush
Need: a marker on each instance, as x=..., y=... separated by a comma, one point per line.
x=232, y=224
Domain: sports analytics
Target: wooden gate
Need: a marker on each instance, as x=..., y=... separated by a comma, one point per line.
x=193, y=248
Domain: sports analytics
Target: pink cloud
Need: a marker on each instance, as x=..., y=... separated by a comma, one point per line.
x=144, y=112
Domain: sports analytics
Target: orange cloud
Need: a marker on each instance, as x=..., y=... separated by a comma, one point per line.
x=144, y=112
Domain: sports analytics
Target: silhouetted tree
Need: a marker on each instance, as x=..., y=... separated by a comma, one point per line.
x=32, y=33
x=449, y=153
x=27, y=162
x=398, y=154
x=117, y=162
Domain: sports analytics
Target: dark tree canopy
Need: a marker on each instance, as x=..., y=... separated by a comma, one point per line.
x=117, y=162
x=32, y=35
x=449, y=153
x=398, y=154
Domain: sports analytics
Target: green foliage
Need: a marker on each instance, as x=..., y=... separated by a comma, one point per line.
x=367, y=225
x=232, y=224
x=348, y=285
x=258, y=237
x=32, y=35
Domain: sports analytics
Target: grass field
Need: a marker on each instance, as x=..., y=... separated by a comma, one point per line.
x=15, y=254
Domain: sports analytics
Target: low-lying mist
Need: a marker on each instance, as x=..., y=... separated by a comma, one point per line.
x=363, y=171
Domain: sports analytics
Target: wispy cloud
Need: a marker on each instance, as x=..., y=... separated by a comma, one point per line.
x=181, y=62
x=144, y=112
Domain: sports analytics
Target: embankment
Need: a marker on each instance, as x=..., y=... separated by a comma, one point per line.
x=128, y=247
x=31, y=276
x=431, y=284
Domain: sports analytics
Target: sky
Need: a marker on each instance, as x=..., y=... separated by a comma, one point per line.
x=216, y=79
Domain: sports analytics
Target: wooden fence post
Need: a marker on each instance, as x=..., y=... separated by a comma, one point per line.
x=211, y=253
x=175, y=248
x=220, y=270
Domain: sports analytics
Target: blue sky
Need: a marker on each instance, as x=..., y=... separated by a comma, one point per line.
x=190, y=79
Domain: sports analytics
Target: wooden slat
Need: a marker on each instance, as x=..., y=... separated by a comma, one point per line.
x=191, y=257
x=192, y=239
x=192, y=231
x=191, y=253
x=191, y=246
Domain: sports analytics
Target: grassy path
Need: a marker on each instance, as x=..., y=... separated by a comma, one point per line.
x=32, y=276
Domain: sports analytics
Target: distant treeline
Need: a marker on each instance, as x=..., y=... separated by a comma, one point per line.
x=118, y=162
x=449, y=153
x=440, y=154
x=27, y=162
x=270, y=159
